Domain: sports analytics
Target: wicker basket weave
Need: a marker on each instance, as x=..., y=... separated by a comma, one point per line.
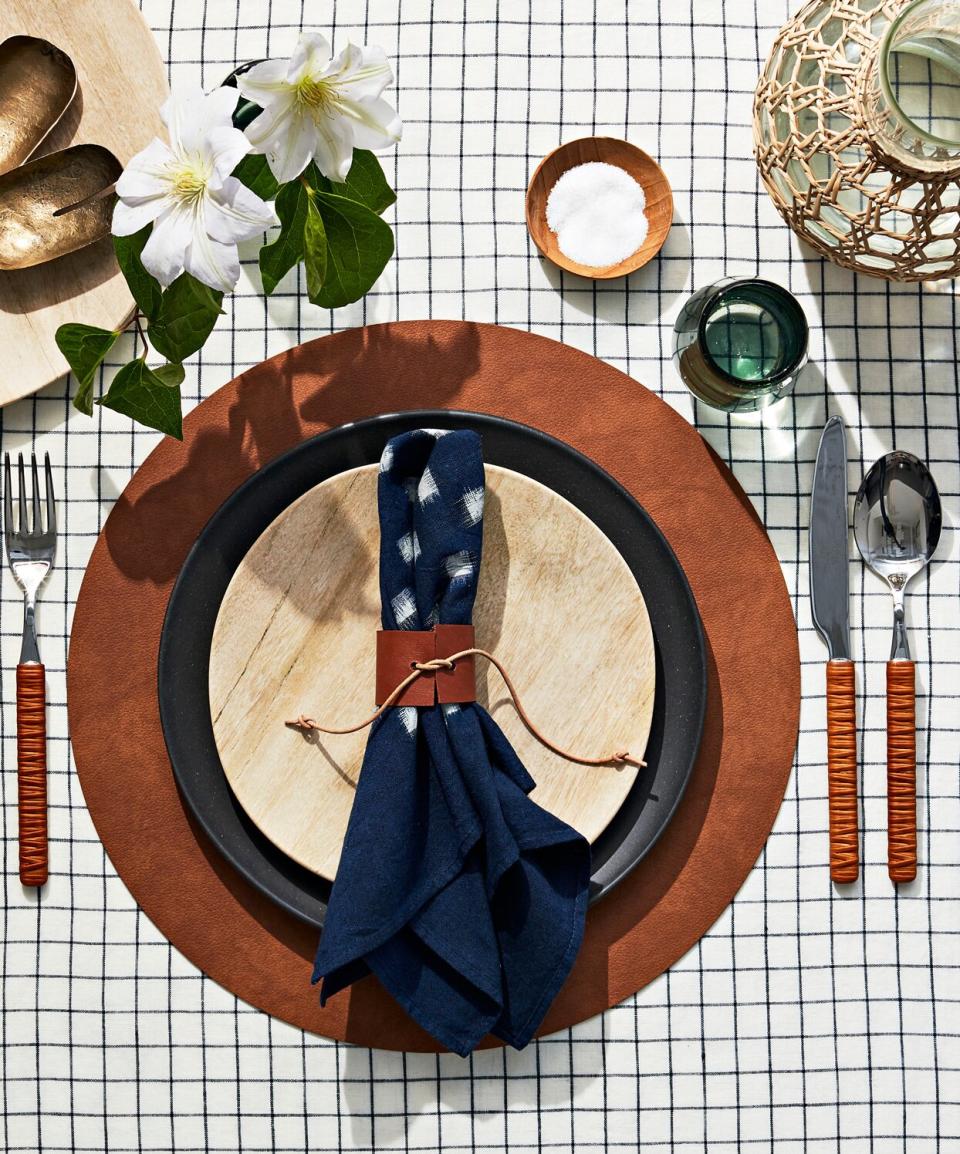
x=851, y=192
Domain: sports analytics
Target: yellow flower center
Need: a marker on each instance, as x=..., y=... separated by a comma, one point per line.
x=317, y=95
x=189, y=184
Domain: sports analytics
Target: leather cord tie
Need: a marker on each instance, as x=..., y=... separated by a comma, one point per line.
x=429, y=668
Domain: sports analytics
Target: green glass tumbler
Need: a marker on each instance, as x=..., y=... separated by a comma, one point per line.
x=740, y=343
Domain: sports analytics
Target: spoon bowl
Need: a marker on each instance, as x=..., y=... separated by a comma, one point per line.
x=897, y=520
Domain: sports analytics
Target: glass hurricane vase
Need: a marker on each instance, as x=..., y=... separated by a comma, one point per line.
x=857, y=133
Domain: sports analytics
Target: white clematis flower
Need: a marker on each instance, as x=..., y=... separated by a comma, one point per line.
x=317, y=108
x=198, y=210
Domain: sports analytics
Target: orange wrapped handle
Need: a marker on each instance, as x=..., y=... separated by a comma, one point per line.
x=842, y=771
x=32, y=773
x=901, y=771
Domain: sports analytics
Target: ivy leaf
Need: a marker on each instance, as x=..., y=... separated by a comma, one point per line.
x=145, y=288
x=170, y=375
x=140, y=393
x=366, y=183
x=188, y=311
x=316, y=250
x=254, y=172
x=280, y=256
x=84, y=347
x=359, y=244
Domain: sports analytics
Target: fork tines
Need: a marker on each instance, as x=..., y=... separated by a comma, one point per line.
x=36, y=527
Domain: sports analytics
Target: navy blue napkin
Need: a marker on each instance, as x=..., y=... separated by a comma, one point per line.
x=464, y=897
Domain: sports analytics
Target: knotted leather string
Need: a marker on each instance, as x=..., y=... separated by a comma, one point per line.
x=422, y=668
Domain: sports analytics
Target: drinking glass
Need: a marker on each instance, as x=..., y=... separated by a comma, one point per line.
x=740, y=343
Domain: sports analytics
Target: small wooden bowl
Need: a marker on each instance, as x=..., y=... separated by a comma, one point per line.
x=609, y=150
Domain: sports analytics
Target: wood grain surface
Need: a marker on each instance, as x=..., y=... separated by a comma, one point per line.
x=607, y=150
x=121, y=88
x=296, y=634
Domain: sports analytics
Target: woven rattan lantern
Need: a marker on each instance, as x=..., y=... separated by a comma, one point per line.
x=857, y=131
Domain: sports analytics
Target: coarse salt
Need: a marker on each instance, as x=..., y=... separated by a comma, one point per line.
x=598, y=213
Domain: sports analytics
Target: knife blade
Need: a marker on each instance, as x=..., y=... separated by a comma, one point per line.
x=829, y=580
x=829, y=600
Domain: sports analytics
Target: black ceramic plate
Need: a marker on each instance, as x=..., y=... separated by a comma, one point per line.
x=681, y=688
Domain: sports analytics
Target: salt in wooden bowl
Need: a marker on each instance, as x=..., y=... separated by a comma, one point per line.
x=608, y=150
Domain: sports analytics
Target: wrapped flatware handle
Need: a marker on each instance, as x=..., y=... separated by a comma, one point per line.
x=901, y=771
x=32, y=773
x=842, y=771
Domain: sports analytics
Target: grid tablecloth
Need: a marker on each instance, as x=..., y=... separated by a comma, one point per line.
x=807, y=1019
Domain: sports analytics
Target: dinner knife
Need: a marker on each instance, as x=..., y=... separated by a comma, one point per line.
x=829, y=598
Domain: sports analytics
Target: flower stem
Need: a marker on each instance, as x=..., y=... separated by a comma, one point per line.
x=142, y=335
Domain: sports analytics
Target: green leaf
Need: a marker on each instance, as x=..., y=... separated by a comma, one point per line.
x=84, y=346
x=254, y=172
x=145, y=288
x=366, y=183
x=359, y=244
x=170, y=375
x=138, y=392
x=315, y=178
x=188, y=311
x=280, y=256
x=316, y=250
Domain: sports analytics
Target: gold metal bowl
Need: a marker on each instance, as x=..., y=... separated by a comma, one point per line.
x=37, y=85
x=56, y=204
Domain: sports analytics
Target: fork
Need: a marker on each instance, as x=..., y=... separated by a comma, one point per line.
x=30, y=553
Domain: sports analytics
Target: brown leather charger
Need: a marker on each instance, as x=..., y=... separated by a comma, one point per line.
x=218, y=921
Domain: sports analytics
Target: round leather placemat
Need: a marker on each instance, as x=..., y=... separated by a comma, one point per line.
x=195, y=898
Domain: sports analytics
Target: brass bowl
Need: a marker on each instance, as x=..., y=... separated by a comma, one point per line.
x=37, y=85
x=644, y=170
x=56, y=204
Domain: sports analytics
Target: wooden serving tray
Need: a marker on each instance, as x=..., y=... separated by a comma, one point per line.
x=121, y=87
x=295, y=634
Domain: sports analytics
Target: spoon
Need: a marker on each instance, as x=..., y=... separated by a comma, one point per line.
x=896, y=522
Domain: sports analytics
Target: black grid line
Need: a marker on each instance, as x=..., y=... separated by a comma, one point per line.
x=807, y=1019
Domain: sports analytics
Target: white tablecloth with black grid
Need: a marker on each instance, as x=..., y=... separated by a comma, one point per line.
x=806, y=1019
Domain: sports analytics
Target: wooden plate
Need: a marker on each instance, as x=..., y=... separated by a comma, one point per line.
x=295, y=634
x=608, y=150
x=121, y=88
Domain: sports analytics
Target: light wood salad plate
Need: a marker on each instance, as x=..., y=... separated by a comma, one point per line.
x=295, y=634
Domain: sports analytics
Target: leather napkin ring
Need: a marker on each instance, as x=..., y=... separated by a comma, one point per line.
x=399, y=649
